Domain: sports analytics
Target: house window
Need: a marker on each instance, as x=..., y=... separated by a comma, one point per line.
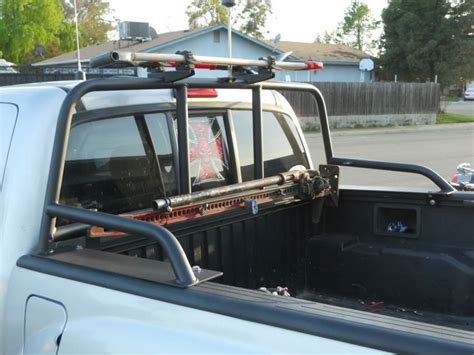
x=217, y=36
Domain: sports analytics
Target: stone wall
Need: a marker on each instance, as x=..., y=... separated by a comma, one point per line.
x=366, y=121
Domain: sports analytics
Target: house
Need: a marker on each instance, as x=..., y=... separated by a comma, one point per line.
x=341, y=62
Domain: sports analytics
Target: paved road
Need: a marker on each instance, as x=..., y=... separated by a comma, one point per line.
x=460, y=107
x=440, y=147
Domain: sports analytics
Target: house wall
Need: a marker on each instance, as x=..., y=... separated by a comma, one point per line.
x=330, y=73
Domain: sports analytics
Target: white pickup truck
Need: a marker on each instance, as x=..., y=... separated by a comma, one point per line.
x=162, y=216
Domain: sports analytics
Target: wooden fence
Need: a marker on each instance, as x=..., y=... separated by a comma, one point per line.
x=344, y=99
x=38, y=77
x=22, y=78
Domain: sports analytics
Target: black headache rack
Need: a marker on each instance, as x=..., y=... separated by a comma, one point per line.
x=244, y=77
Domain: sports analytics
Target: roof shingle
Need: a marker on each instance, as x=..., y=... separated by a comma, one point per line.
x=323, y=52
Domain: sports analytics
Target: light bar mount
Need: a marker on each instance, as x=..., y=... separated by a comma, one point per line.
x=243, y=70
x=250, y=76
x=183, y=69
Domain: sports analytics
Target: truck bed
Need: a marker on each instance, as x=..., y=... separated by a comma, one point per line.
x=339, y=261
x=333, y=322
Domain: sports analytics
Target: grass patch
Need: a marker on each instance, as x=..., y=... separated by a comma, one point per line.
x=453, y=118
x=450, y=98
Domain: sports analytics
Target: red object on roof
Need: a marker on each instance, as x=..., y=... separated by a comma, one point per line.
x=314, y=65
x=198, y=65
x=196, y=93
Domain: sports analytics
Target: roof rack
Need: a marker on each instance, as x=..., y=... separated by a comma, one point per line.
x=185, y=62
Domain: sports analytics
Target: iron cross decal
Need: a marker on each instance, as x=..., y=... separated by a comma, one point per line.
x=206, y=149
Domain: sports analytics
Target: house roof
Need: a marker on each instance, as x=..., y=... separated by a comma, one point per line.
x=327, y=53
x=323, y=52
x=163, y=39
x=116, y=45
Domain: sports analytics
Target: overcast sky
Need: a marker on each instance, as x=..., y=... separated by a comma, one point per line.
x=295, y=20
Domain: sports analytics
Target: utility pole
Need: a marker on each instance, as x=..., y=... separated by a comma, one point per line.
x=80, y=75
x=229, y=4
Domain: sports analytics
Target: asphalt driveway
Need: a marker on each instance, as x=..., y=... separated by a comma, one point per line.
x=460, y=107
x=440, y=147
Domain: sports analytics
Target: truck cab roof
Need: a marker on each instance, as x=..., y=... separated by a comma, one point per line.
x=105, y=99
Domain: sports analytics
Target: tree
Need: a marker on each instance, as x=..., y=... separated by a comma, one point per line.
x=27, y=23
x=251, y=15
x=329, y=37
x=203, y=13
x=254, y=16
x=93, y=26
x=357, y=28
x=425, y=38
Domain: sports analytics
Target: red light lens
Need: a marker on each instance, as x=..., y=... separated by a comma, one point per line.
x=454, y=179
x=196, y=93
x=314, y=65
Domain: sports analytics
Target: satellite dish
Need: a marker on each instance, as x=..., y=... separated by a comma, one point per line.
x=277, y=39
x=281, y=57
x=366, y=64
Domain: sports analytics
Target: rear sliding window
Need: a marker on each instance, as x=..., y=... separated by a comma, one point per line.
x=111, y=164
x=282, y=147
x=208, y=152
x=122, y=164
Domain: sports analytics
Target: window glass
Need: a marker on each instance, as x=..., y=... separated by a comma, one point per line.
x=99, y=140
x=217, y=36
x=244, y=134
x=282, y=147
x=208, y=152
x=107, y=168
x=160, y=133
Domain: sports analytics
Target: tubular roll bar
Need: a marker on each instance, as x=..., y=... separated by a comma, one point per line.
x=182, y=270
x=166, y=239
x=183, y=141
x=437, y=179
x=400, y=167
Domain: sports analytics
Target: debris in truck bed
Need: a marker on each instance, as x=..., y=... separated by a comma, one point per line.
x=397, y=227
x=375, y=307
x=277, y=291
x=381, y=307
